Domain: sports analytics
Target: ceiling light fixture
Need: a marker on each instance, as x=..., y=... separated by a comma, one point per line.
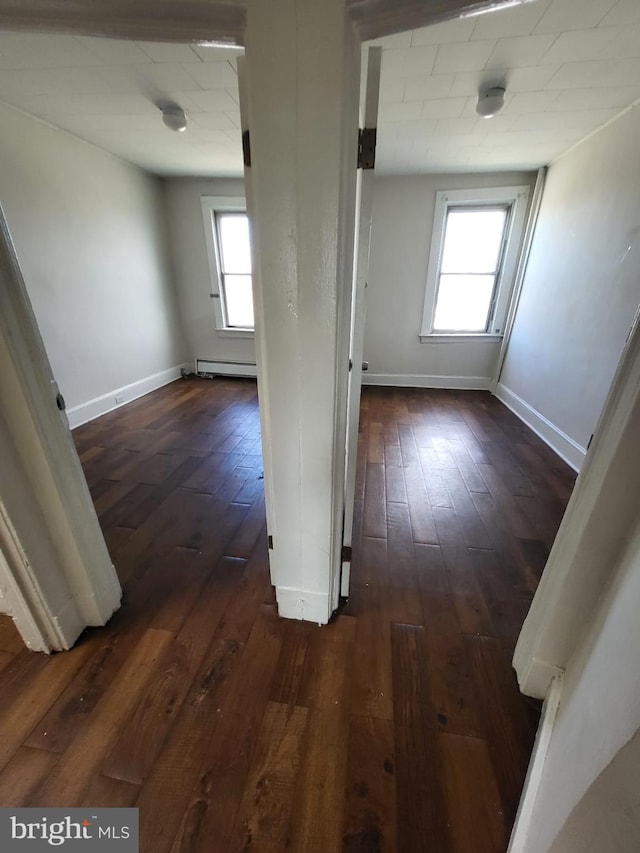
x=494, y=7
x=490, y=101
x=174, y=118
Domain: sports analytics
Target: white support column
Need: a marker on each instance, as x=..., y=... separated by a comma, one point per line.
x=302, y=83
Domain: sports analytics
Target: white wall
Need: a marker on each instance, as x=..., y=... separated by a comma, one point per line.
x=608, y=816
x=90, y=235
x=599, y=711
x=581, y=288
x=191, y=268
x=403, y=210
x=402, y=222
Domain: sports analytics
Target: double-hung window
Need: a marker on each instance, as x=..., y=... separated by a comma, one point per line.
x=229, y=249
x=472, y=263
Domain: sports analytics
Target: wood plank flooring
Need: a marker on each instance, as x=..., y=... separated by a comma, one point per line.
x=399, y=727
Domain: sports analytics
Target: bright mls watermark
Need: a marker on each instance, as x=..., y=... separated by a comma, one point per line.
x=79, y=830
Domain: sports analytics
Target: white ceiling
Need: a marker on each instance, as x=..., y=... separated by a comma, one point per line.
x=105, y=91
x=569, y=66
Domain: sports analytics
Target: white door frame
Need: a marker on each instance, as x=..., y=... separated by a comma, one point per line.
x=55, y=574
x=359, y=308
x=22, y=602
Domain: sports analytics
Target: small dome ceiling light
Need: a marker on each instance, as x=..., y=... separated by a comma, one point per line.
x=490, y=101
x=174, y=118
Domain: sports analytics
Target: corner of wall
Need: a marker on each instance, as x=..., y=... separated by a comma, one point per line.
x=561, y=443
x=92, y=409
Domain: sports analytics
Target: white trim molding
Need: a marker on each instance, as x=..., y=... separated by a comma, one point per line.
x=538, y=674
x=460, y=338
x=210, y=206
x=523, y=822
x=516, y=198
x=222, y=367
x=419, y=380
x=568, y=449
x=92, y=409
x=303, y=604
x=40, y=629
x=523, y=263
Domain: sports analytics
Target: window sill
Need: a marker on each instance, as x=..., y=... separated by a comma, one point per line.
x=236, y=333
x=453, y=338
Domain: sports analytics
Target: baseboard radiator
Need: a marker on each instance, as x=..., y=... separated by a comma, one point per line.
x=210, y=367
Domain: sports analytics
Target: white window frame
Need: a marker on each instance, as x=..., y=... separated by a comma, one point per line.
x=210, y=206
x=516, y=198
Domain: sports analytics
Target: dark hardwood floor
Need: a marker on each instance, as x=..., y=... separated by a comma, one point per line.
x=399, y=727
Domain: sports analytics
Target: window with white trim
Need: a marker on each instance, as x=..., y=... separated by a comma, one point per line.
x=473, y=260
x=228, y=241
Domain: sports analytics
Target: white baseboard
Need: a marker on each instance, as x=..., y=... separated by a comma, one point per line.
x=418, y=380
x=226, y=368
x=568, y=449
x=303, y=604
x=78, y=415
x=524, y=827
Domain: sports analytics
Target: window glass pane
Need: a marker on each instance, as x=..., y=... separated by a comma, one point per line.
x=235, y=248
x=238, y=301
x=472, y=240
x=463, y=303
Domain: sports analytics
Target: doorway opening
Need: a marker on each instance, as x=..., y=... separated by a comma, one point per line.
x=124, y=300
